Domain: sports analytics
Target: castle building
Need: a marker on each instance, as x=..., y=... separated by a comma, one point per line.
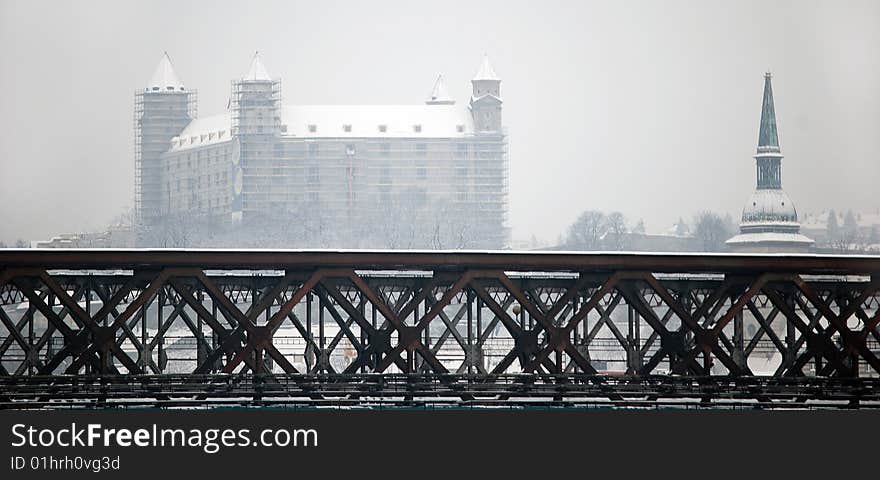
x=431, y=175
x=769, y=219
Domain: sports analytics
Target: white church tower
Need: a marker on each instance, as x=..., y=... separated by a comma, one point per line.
x=769, y=219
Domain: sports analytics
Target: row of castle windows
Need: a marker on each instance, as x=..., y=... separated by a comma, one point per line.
x=417, y=128
x=204, y=180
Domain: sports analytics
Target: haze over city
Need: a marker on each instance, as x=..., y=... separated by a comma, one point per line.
x=647, y=108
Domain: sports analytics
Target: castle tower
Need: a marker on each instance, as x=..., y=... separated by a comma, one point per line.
x=256, y=125
x=161, y=111
x=769, y=219
x=486, y=101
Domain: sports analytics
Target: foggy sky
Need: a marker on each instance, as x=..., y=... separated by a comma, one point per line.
x=650, y=108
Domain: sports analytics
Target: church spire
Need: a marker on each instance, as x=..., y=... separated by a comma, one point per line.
x=769, y=218
x=768, y=140
x=164, y=79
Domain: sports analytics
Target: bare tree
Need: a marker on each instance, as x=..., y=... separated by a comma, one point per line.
x=640, y=227
x=586, y=232
x=850, y=229
x=711, y=230
x=831, y=228
x=452, y=229
x=681, y=228
x=615, y=235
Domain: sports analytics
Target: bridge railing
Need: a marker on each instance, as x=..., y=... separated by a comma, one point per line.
x=84, y=312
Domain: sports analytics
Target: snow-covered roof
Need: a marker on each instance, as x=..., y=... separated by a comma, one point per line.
x=204, y=131
x=257, y=71
x=164, y=79
x=770, y=237
x=344, y=121
x=439, y=95
x=371, y=120
x=486, y=72
x=769, y=205
x=820, y=220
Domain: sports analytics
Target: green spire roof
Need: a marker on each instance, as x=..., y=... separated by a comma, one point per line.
x=768, y=139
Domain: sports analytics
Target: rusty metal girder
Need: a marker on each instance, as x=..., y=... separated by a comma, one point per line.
x=108, y=312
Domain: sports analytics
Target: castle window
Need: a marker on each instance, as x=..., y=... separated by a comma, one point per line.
x=346, y=128
x=383, y=128
x=417, y=128
x=459, y=128
x=283, y=128
x=313, y=128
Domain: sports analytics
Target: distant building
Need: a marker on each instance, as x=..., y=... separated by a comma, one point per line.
x=769, y=218
x=116, y=236
x=867, y=225
x=664, y=242
x=429, y=175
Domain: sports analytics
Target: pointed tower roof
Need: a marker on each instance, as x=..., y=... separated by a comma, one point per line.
x=439, y=95
x=486, y=72
x=164, y=79
x=257, y=71
x=768, y=139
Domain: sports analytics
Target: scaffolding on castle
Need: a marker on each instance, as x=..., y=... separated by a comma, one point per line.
x=262, y=97
x=158, y=117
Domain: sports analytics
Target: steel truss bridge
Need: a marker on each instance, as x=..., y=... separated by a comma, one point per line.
x=87, y=328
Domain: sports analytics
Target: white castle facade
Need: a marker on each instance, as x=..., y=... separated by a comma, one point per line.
x=430, y=175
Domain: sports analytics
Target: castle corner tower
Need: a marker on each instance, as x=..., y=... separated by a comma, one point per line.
x=161, y=111
x=486, y=100
x=256, y=127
